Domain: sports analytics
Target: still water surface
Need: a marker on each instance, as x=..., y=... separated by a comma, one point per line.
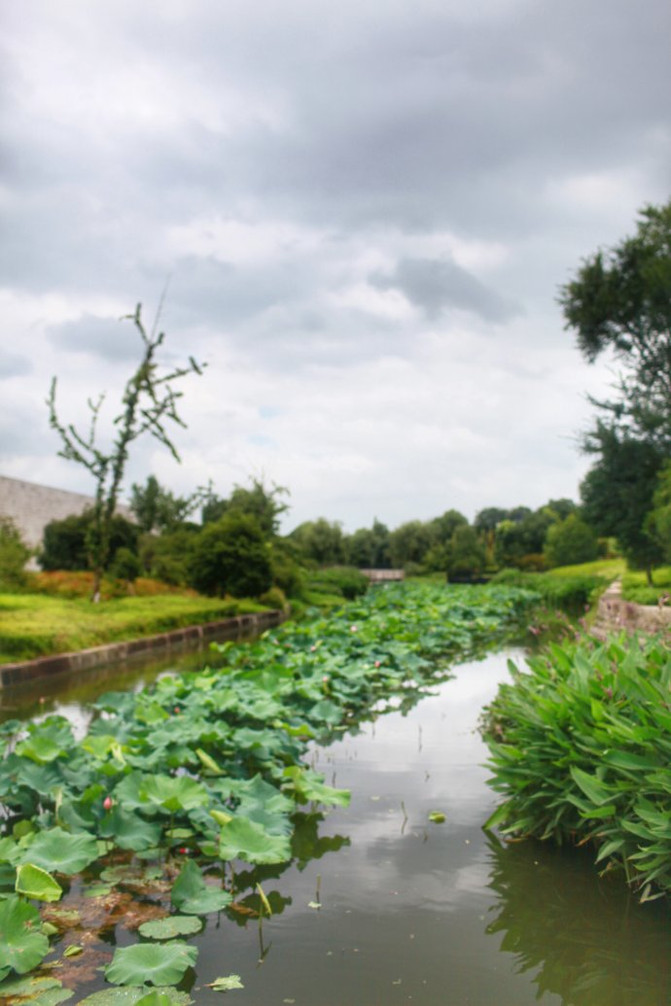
x=429, y=914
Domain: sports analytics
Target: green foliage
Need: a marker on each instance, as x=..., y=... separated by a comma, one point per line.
x=570, y=541
x=320, y=541
x=619, y=301
x=157, y=509
x=209, y=764
x=466, y=557
x=343, y=581
x=368, y=548
x=580, y=750
x=231, y=556
x=572, y=593
x=66, y=544
x=618, y=493
x=14, y=555
x=409, y=543
x=147, y=403
x=160, y=964
x=264, y=504
x=126, y=565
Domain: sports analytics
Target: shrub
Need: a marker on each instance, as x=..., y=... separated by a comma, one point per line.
x=580, y=751
x=65, y=542
x=14, y=555
x=570, y=541
x=341, y=581
x=231, y=556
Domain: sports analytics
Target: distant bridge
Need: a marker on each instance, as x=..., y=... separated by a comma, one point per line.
x=383, y=575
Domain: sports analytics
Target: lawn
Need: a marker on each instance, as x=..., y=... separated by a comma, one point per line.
x=36, y=625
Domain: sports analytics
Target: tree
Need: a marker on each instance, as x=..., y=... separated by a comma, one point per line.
x=619, y=301
x=368, y=547
x=157, y=509
x=409, y=543
x=260, y=502
x=320, y=540
x=618, y=493
x=466, y=555
x=14, y=555
x=231, y=556
x=66, y=543
x=570, y=541
x=148, y=402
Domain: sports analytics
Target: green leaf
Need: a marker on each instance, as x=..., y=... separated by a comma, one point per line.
x=437, y=817
x=22, y=944
x=168, y=928
x=36, y=883
x=593, y=788
x=133, y=997
x=308, y=785
x=192, y=896
x=243, y=839
x=158, y=963
x=129, y=830
x=61, y=851
x=24, y=988
x=226, y=984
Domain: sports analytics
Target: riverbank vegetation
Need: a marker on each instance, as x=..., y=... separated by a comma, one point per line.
x=580, y=746
x=147, y=818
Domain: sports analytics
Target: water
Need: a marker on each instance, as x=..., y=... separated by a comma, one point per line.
x=424, y=913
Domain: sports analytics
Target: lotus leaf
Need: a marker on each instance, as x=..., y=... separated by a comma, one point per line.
x=170, y=927
x=60, y=851
x=242, y=839
x=308, y=785
x=192, y=896
x=226, y=984
x=134, y=997
x=129, y=830
x=36, y=883
x=22, y=988
x=22, y=944
x=155, y=963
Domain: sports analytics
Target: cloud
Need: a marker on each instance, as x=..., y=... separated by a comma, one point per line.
x=114, y=339
x=435, y=286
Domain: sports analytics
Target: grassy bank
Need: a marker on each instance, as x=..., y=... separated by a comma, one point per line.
x=37, y=625
x=580, y=748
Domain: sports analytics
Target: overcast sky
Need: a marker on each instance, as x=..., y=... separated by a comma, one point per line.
x=363, y=211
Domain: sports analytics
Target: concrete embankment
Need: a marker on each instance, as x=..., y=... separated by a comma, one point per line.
x=615, y=615
x=84, y=660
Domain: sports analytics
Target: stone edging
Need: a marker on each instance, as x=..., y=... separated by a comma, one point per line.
x=615, y=615
x=84, y=660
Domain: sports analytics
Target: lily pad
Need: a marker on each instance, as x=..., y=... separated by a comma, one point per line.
x=36, y=883
x=22, y=944
x=192, y=896
x=243, y=839
x=24, y=988
x=135, y=997
x=168, y=928
x=157, y=963
x=61, y=851
x=226, y=984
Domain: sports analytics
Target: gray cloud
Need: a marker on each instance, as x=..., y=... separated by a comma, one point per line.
x=434, y=286
x=13, y=365
x=112, y=339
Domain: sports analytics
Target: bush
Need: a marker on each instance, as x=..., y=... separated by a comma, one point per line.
x=579, y=749
x=573, y=593
x=570, y=541
x=231, y=556
x=339, y=581
x=14, y=555
x=126, y=565
x=65, y=542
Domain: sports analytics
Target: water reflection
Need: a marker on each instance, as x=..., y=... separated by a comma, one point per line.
x=588, y=941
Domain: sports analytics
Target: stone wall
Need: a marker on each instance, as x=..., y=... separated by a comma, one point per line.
x=32, y=506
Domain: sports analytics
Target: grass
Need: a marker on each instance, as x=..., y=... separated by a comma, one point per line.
x=635, y=586
x=36, y=625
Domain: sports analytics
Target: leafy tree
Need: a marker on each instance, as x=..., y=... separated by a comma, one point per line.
x=619, y=301
x=658, y=521
x=409, y=543
x=570, y=541
x=489, y=518
x=618, y=494
x=321, y=541
x=466, y=555
x=157, y=509
x=516, y=539
x=231, y=556
x=66, y=544
x=265, y=504
x=14, y=555
x=167, y=556
x=368, y=548
x=148, y=402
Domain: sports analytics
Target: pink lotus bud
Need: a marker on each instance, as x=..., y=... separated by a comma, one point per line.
x=377, y=663
x=353, y=628
x=108, y=803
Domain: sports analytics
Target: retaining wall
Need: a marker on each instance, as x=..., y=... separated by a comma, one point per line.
x=84, y=660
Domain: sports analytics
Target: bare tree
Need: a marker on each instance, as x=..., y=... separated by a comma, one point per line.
x=149, y=401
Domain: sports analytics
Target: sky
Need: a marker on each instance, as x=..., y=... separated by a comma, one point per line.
x=358, y=215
